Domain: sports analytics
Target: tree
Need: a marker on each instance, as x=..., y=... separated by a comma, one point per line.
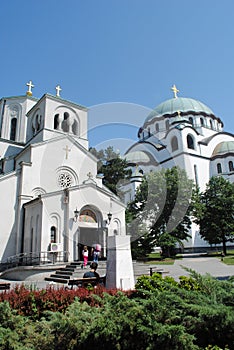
x=215, y=212
x=160, y=213
x=113, y=168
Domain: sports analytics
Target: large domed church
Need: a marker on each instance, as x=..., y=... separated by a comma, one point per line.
x=186, y=133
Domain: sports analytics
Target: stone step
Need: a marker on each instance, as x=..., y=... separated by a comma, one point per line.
x=64, y=272
x=57, y=280
x=68, y=269
x=56, y=275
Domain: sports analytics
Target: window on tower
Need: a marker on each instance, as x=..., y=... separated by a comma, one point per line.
x=174, y=143
x=56, y=121
x=13, y=129
x=190, y=142
x=65, y=125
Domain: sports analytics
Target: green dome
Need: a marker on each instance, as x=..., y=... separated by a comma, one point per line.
x=223, y=147
x=137, y=157
x=181, y=104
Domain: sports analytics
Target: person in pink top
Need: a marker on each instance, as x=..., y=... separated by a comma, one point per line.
x=85, y=254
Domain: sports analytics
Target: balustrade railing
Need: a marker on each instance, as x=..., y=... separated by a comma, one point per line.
x=34, y=258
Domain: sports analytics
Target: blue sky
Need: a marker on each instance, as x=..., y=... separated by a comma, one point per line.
x=120, y=57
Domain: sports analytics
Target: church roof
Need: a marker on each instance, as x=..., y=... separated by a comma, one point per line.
x=181, y=104
x=137, y=157
x=223, y=147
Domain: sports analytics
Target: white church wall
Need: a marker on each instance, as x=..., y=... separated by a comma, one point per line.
x=8, y=187
x=15, y=107
x=32, y=228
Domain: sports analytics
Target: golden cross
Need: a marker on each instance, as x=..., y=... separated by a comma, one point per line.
x=30, y=86
x=67, y=150
x=175, y=91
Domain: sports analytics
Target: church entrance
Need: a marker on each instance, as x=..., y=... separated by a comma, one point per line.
x=90, y=237
x=90, y=234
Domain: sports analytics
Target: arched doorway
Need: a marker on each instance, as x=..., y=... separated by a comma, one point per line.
x=91, y=231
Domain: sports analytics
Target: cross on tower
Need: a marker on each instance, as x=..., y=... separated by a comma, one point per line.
x=58, y=89
x=90, y=175
x=66, y=149
x=175, y=91
x=30, y=86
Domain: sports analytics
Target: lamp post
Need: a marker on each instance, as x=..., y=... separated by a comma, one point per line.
x=76, y=214
x=109, y=216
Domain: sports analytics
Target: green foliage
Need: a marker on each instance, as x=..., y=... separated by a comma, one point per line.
x=113, y=168
x=194, y=313
x=214, y=211
x=161, y=211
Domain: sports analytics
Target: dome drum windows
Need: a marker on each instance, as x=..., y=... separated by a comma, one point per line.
x=219, y=168
x=230, y=166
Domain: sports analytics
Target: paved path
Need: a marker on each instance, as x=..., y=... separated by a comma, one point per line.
x=202, y=264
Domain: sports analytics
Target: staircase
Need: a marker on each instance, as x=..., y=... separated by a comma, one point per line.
x=74, y=270
x=64, y=274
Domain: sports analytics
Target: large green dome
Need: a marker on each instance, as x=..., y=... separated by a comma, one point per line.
x=182, y=104
x=223, y=147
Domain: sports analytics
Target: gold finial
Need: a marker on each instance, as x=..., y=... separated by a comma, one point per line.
x=175, y=91
x=30, y=86
x=179, y=112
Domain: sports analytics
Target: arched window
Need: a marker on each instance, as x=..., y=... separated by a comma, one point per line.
x=149, y=132
x=191, y=120
x=174, y=143
x=13, y=129
x=38, y=122
x=56, y=121
x=65, y=126
x=75, y=128
x=219, y=168
x=157, y=127
x=211, y=124
x=202, y=121
x=167, y=124
x=230, y=164
x=53, y=234
x=190, y=142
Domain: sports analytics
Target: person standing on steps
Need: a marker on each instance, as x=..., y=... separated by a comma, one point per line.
x=85, y=254
x=96, y=252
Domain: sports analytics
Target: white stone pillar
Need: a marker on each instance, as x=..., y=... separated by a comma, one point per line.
x=119, y=270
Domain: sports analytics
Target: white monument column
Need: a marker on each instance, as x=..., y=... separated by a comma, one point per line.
x=119, y=270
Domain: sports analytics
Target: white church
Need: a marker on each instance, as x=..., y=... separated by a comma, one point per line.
x=186, y=133
x=53, y=201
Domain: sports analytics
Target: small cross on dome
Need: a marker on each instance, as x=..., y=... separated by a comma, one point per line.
x=175, y=91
